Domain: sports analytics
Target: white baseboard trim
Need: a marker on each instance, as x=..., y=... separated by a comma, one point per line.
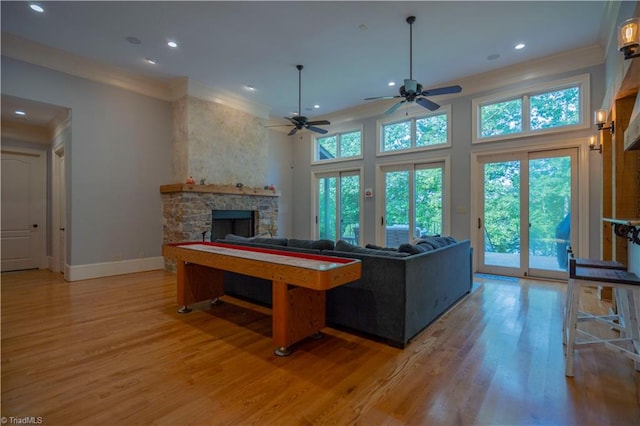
x=106, y=269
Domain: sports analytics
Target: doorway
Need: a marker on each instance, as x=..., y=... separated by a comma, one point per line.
x=23, y=209
x=527, y=210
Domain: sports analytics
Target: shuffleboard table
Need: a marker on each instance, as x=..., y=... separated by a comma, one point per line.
x=299, y=282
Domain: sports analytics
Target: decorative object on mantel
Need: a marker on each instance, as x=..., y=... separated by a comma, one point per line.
x=626, y=228
x=203, y=181
x=239, y=185
x=190, y=180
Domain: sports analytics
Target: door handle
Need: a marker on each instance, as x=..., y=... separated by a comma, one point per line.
x=479, y=223
x=60, y=229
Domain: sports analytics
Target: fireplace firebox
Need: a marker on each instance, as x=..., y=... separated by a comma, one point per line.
x=238, y=222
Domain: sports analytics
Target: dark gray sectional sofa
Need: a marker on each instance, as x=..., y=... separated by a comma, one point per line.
x=401, y=291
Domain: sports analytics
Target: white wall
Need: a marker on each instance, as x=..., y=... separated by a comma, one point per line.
x=118, y=156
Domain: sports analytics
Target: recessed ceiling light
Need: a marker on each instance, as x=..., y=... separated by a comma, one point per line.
x=133, y=40
x=493, y=56
x=316, y=106
x=36, y=7
x=150, y=61
x=20, y=113
x=172, y=43
x=250, y=87
x=519, y=46
x=391, y=83
x=363, y=27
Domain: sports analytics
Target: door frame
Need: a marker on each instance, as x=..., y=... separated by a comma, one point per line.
x=58, y=210
x=334, y=172
x=581, y=219
x=410, y=164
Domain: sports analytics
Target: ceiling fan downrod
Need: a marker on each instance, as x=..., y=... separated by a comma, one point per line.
x=411, y=20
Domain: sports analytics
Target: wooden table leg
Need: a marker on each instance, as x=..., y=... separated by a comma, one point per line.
x=298, y=313
x=197, y=283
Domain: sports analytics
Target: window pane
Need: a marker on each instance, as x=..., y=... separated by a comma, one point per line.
x=428, y=202
x=350, y=144
x=554, y=109
x=397, y=208
x=501, y=118
x=396, y=136
x=327, y=147
x=431, y=130
x=327, y=208
x=350, y=208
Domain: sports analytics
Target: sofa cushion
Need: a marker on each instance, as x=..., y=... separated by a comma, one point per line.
x=344, y=246
x=270, y=241
x=437, y=242
x=375, y=247
x=311, y=244
x=414, y=249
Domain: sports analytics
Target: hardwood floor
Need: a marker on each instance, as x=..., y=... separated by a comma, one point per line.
x=114, y=351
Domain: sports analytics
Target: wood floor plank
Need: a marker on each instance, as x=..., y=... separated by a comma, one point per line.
x=115, y=351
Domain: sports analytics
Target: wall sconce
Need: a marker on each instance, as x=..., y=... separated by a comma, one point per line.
x=629, y=38
x=600, y=119
x=594, y=144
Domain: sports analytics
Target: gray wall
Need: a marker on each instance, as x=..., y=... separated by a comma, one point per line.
x=460, y=154
x=116, y=160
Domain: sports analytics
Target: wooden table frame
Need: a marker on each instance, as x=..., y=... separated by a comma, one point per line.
x=299, y=282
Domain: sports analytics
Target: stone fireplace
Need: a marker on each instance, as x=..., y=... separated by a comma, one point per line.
x=187, y=210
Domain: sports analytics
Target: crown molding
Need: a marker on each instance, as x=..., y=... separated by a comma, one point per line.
x=223, y=97
x=38, y=54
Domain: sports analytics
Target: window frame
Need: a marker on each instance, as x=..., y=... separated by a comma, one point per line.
x=581, y=81
x=415, y=112
x=338, y=133
x=335, y=172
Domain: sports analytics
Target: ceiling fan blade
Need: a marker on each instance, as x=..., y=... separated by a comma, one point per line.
x=319, y=123
x=290, y=119
x=430, y=105
x=442, y=91
x=317, y=129
x=382, y=97
x=394, y=107
x=293, y=131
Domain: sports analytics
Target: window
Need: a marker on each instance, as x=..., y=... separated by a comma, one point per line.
x=556, y=106
x=419, y=132
x=347, y=145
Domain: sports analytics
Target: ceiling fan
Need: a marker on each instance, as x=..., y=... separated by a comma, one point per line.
x=300, y=121
x=412, y=90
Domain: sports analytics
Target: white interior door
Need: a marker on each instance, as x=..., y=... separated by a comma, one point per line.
x=23, y=210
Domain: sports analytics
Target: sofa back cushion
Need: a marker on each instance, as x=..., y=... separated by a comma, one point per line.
x=344, y=246
x=311, y=244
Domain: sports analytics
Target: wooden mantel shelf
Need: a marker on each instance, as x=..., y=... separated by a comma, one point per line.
x=218, y=189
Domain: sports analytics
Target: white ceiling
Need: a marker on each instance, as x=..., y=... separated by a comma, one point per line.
x=227, y=45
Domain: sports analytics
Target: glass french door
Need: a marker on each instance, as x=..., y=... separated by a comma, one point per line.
x=338, y=206
x=525, y=218
x=413, y=203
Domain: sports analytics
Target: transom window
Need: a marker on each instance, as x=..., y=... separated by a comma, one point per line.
x=345, y=145
x=415, y=133
x=560, y=105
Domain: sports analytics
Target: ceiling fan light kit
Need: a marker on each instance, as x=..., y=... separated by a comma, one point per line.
x=412, y=90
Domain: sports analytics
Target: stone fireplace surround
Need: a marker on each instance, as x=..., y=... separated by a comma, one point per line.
x=186, y=210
